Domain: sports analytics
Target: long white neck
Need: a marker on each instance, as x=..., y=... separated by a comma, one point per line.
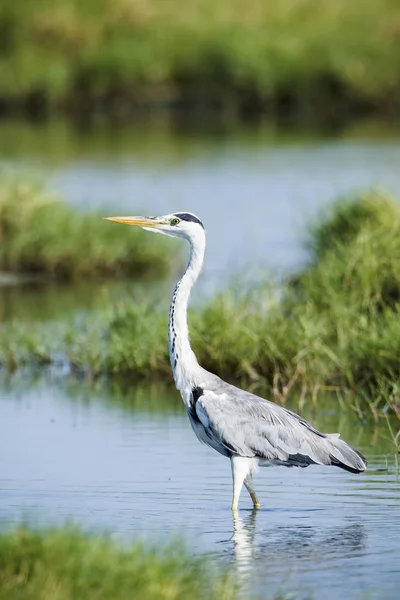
x=184, y=363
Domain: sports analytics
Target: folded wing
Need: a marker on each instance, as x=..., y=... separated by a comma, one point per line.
x=246, y=425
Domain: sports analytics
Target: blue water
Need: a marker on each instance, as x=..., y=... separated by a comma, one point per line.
x=82, y=457
x=255, y=190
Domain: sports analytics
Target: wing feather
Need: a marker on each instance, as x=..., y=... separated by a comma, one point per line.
x=249, y=426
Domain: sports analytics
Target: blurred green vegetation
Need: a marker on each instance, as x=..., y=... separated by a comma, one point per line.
x=335, y=326
x=66, y=564
x=40, y=235
x=302, y=56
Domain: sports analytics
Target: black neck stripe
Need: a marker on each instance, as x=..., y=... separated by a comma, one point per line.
x=189, y=217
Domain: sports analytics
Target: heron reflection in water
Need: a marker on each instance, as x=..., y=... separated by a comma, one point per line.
x=250, y=431
x=277, y=550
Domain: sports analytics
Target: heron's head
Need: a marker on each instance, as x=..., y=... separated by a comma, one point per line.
x=183, y=225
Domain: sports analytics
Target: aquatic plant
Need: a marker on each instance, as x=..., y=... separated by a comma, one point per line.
x=40, y=235
x=66, y=564
x=279, y=57
x=334, y=326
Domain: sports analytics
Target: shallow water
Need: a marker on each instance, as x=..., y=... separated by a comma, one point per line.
x=130, y=464
x=255, y=189
x=38, y=301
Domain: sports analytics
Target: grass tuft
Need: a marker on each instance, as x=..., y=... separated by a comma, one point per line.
x=337, y=322
x=40, y=235
x=66, y=564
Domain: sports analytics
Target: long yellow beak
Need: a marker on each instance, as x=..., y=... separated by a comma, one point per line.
x=139, y=221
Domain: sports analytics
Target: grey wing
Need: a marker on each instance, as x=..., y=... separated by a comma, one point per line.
x=202, y=426
x=246, y=425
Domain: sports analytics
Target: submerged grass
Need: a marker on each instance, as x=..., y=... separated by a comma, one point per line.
x=335, y=325
x=268, y=56
x=43, y=236
x=66, y=564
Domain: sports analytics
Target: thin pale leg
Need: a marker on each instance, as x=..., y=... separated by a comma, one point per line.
x=241, y=468
x=248, y=482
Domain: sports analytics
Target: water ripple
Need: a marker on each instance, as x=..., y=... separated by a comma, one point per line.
x=320, y=531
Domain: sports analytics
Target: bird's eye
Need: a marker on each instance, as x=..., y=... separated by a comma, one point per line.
x=175, y=221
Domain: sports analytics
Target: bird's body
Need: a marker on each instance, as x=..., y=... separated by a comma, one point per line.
x=243, y=427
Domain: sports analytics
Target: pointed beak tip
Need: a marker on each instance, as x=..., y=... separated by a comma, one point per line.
x=138, y=221
x=122, y=220
x=148, y=222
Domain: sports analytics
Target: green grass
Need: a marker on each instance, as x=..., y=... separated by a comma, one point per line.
x=306, y=56
x=66, y=564
x=40, y=235
x=335, y=325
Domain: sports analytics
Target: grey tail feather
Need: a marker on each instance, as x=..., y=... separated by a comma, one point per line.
x=337, y=463
x=347, y=458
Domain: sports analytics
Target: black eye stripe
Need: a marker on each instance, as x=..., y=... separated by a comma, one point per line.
x=189, y=217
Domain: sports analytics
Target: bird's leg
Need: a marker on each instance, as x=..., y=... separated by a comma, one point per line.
x=240, y=470
x=248, y=482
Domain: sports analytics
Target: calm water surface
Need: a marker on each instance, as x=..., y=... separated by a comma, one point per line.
x=129, y=463
x=254, y=189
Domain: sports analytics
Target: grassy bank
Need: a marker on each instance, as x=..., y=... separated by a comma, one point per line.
x=68, y=565
x=305, y=57
x=41, y=235
x=335, y=326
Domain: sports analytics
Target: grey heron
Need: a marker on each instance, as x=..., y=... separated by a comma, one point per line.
x=247, y=429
